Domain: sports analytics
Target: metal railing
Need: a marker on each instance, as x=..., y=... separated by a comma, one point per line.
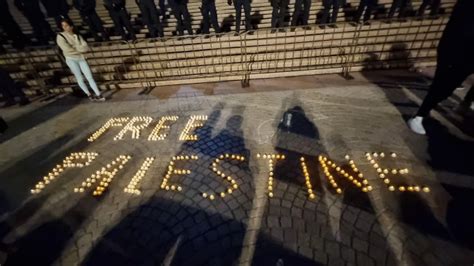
x=146, y=63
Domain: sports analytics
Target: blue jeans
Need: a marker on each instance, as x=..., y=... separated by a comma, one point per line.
x=80, y=65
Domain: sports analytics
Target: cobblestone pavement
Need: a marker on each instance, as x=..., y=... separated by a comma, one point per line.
x=265, y=216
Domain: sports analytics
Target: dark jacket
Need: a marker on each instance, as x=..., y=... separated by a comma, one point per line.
x=457, y=42
x=55, y=7
x=114, y=4
x=84, y=6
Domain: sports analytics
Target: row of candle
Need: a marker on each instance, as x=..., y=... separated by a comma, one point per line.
x=132, y=186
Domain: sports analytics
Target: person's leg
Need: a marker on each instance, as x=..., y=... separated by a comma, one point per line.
x=205, y=17
x=335, y=11
x=275, y=12
x=177, y=15
x=7, y=95
x=213, y=13
x=403, y=8
x=76, y=70
x=326, y=7
x=360, y=10
x=238, y=14
x=13, y=31
x=447, y=79
x=435, y=4
x=88, y=74
x=296, y=13
x=98, y=25
x=161, y=3
x=393, y=8
x=421, y=10
x=186, y=18
x=248, y=18
x=118, y=25
x=371, y=5
x=92, y=27
x=306, y=9
x=125, y=21
x=281, y=15
x=154, y=18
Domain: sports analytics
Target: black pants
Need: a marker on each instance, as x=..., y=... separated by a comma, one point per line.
x=327, y=4
x=151, y=18
x=181, y=13
x=448, y=77
x=10, y=91
x=435, y=4
x=302, y=8
x=121, y=20
x=279, y=12
x=209, y=13
x=245, y=4
x=368, y=6
x=12, y=30
x=161, y=4
x=41, y=28
x=95, y=25
x=398, y=4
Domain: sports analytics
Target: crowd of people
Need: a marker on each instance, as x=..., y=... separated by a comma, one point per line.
x=153, y=16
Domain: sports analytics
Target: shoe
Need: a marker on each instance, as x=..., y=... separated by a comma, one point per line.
x=99, y=98
x=416, y=125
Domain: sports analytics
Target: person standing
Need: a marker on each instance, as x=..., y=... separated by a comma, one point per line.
x=238, y=5
x=209, y=14
x=57, y=9
x=365, y=5
x=10, y=27
x=150, y=17
x=434, y=4
x=454, y=62
x=120, y=17
x=41, y=28
x=327, y=5
x=301, y=13
x=181, y=13
x=74, y=47
x=401, y=5
x=279, y=12
x=88, y=14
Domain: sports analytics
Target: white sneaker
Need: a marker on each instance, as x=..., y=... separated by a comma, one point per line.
x=416, y=125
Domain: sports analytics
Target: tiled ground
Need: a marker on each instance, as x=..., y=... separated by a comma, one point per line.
x=295, y=117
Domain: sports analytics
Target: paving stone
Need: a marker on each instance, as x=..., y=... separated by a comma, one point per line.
x=363, y=259
x=360, y=245
x=348, y=254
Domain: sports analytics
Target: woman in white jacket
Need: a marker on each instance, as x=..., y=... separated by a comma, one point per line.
x=73, y=47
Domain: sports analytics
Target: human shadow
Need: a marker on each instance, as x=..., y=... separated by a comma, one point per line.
x=297, y=222
x=187, y=228
x=57, y=232
x=17, y=179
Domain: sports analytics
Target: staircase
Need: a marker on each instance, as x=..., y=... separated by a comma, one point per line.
x=262, y=53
